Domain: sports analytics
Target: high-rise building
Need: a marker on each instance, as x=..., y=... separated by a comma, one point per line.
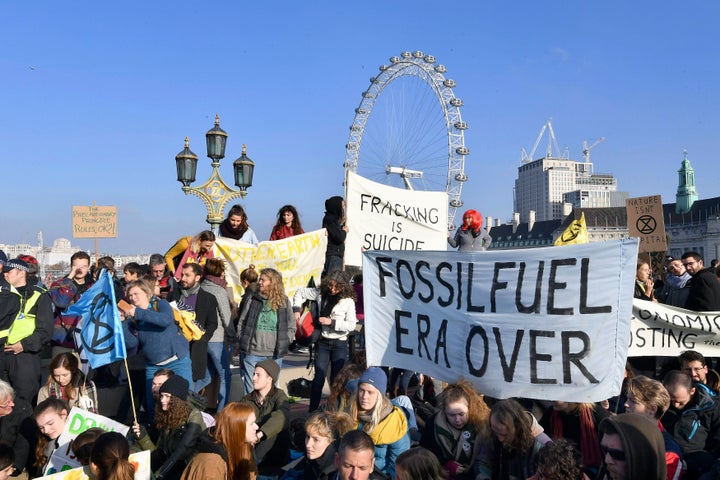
x=547, y=184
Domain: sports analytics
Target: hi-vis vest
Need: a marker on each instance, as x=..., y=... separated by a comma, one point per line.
x=24, y=324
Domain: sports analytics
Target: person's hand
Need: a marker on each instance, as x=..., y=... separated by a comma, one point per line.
x=14, y=348
x=297, y=316
x=136, y=429
x=346, y=228
x=324, y=320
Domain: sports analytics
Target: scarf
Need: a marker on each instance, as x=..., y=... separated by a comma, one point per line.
x=385, y=410
x=227, y=231
x=589, y=442
x=190, y=257
x=676, y=283
x=454, y=444
x=216, y=280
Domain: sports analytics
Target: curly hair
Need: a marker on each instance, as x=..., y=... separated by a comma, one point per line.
x=275, y=293
x=559, y=460
x=513, y=416
x=478, y=411
x=295, y=225
x=177, y=414
x=341, y=281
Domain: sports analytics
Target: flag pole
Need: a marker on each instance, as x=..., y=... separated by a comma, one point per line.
x=132, y=397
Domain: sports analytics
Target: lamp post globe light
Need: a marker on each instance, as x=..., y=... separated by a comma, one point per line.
x=215, y=193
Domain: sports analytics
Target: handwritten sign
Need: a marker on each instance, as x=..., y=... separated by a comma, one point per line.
x=94, y=222
x=546, y=323
x=645, y=221
x=388, y=218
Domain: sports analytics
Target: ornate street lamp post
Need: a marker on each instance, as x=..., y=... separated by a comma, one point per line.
x=215, y=193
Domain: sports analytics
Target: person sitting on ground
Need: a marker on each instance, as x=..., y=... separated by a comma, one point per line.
x=578, y=423
x=226, y=450
x=272, y=410
x=559, y=460
x=693, y=363
x=178, y=425
x=17, y=427
x=343, y=388
x=68, y=382
x=648, y=397
x=693, y=420
x=355, y=458
x=374, y=413
x=514, y=447
x=419, y=462
x=50, y=416
x=456, y=432
x=82, y=445
x=632, y=447
x=7, y=461
x=323, y=431
x=109, y=459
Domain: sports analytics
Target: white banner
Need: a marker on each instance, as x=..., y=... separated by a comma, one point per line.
x=78, y=421
x=664, y=330
x=297, y=258
x=388, y=218
x=546, y=323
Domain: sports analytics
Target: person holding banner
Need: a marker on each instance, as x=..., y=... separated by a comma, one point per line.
x=153, y=321
x=374, y=413
x=235, y=226
x=195, y=249
x=288, y=224
x=334, y=223
x=455, y=433
x=109, y=459
x=471, y=237
x=67, y=382
x=336, y=318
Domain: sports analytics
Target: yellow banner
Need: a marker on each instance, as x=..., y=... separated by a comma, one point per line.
x=297, y=258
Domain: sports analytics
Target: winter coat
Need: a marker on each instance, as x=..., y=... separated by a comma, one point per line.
x=158, y=333
x=206, y=317
x=342, y=315
x=704, y=295
x=468, y=241
x=391, y=438
x=250, y=336
x=642, y=443
x=697, y=426
x=226, y=327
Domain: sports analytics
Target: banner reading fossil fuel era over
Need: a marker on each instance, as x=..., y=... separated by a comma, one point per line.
x=297, y=258
x=546, y=323
x=664, y=330
x=380, y=217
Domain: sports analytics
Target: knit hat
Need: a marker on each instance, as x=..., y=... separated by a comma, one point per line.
x=176, y=386
x=270, y=367
x=376, y=377
x=16, y=263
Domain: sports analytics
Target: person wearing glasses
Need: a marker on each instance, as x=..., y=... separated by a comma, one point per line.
x=632, y=448
x=704, y=295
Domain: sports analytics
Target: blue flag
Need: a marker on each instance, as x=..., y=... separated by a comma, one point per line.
x=101, y=334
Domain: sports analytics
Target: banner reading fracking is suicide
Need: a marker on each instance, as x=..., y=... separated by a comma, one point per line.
x=297, y=258
x=387, y=218
x=546, y=323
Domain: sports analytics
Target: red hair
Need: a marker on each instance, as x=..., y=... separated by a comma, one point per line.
x=230, y=429
x=476, y=223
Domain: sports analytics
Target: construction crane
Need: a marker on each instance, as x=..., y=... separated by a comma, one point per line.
x=552, y=142
x=586, y=148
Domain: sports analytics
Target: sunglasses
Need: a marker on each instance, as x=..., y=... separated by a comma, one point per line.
x=614, y=453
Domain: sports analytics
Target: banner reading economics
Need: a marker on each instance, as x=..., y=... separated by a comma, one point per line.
x=297, y=258
x=664, y=330
x=545, y=323
x=388, y=218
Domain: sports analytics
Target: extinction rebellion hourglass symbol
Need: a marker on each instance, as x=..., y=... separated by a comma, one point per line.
x=102, y=332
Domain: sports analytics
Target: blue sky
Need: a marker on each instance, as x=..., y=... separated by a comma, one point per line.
x=97, y=98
